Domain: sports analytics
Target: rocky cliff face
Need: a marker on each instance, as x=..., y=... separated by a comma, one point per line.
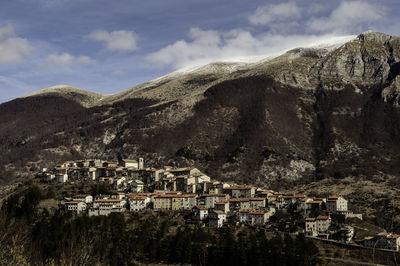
x=309, y=114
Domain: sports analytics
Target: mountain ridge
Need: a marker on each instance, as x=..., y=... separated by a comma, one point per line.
x=308, y=114
x=220, y=68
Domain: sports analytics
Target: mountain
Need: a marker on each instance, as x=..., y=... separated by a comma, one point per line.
x=82, y=97
x=313, y=113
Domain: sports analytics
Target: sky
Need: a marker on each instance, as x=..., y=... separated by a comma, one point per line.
x=108, y=46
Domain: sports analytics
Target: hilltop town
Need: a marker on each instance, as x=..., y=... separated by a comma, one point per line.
x=202, y=200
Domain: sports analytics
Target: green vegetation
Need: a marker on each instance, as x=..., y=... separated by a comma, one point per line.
x=363, y=228
x=30, y=235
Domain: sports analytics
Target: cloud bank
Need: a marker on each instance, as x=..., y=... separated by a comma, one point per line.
x=116, y=41
x=65, y=60
x=349, y=16
x=12, y=48
x=275, y=13
x=274, y=28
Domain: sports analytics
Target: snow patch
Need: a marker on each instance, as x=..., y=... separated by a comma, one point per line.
x=329, y=43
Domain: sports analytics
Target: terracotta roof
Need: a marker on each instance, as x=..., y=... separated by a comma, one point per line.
x=244, y=211
x=257, y=211
x=129, y=161
x=310, y=219
x=143, y=194
x=138, y=198
x=72, y=202
x=314, y=202
x=257, y=199
x=108, y=200
x=322, y=217
x=293, y=196
x=266, y=192
x=213, y=195
x=239, y=187
x=333, y=197
x=176, y=196
x=201, y=207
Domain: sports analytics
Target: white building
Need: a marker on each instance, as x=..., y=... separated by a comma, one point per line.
x=129, y=163
x=336, y=204
x=199, y=213
x=209, y=200
x=222, y=206
x=138, y=203
x=244, y=216
x=75, y=206
x=318, y=226
x=108, y=203
x=216, y=219
x=85, y=198
x=62, y=178
x=137, y=186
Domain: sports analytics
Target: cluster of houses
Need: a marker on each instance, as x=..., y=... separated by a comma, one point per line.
x=212, y=203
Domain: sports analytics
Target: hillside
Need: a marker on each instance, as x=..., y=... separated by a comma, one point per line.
x=82, y=97
x=311, y=114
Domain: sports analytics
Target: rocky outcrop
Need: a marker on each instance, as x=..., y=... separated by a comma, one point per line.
x=391, y=94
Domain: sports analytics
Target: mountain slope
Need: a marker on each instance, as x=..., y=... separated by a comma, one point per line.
x=82, y=97
x=311, y=113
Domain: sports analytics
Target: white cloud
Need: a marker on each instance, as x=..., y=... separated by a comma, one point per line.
x=273, y=13
x=207, y=46
x=12, y=48
x=65, y=59
x=120, y=40
x=349, y=16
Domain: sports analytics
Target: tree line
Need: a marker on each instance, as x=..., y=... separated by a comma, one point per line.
x=31, y=235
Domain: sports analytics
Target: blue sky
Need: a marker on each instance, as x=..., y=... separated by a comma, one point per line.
x=108, y=46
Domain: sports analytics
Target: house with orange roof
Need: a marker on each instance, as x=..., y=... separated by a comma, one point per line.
x=138, y=203
x=243, y=216
x=222, y=206
x=107, y=206
x=216, y=218
x=313, y=207
x=183, y=202
x=199, y=213
x=240, y=191
x=236, y=204
x=258, y=217
x=162, y=202
x=258, y=203
x=83, y=197
x=209, y=200
x=336, y=204
x=255, y=217
x=318, y=226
